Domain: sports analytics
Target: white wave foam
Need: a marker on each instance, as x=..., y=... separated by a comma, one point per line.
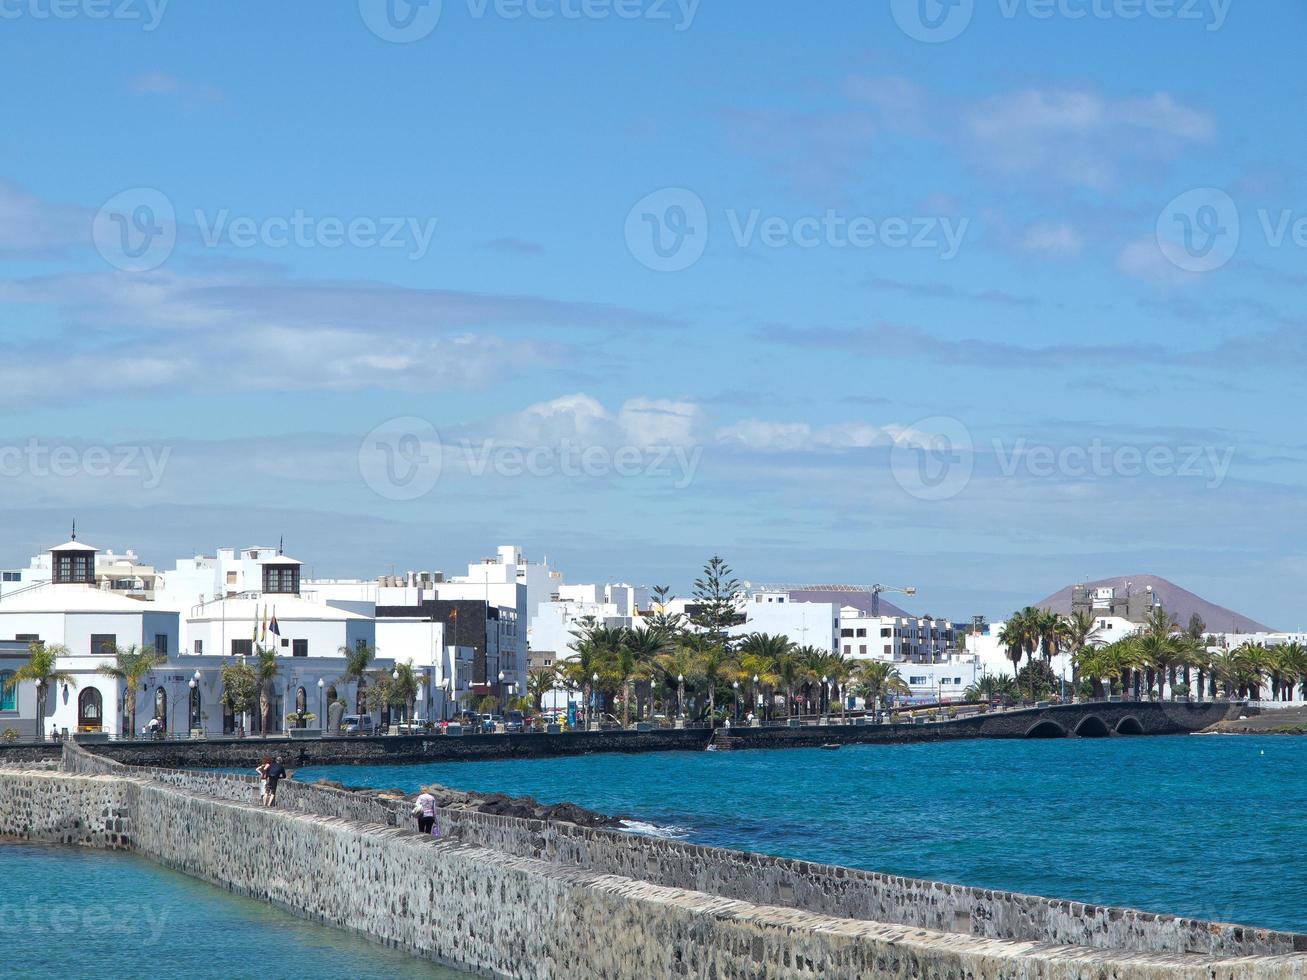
x=653, y=830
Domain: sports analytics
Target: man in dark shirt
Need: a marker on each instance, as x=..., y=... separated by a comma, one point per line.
x=276, y=773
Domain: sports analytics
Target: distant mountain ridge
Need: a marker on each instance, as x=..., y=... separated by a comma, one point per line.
x=1180, y=603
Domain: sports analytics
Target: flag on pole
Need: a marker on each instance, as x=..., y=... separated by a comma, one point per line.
x=265, y=624
x=273, y=628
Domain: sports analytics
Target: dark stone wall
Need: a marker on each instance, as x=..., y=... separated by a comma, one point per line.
x=1062, y=720
x=21, y=755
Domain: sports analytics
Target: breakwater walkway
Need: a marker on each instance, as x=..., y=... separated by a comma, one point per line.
x=506, y=896
x=1099, y=719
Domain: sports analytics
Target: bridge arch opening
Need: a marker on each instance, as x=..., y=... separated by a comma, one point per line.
x=1129, y=725
x=1047, y=729
x=1092, y=726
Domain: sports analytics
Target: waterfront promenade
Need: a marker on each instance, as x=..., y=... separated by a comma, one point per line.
x=1098, y=719
x=487, y=895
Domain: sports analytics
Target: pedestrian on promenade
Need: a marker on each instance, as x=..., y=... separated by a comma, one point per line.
x=262, y=771
x=425, y=811
x=276, y=773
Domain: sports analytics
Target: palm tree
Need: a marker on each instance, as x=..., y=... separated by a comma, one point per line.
x=1293, y=661
x=715, y=663
x=1158, y=654
x=358, y=660
x=42, y=668
x=874, y=680
x=1013, y=638
x=839, y=670
x=1079, y=628
x=588, y=656
x=760, y=655
x=265, y=668
x=991, y=687
x=539, y=682
x=789, y=672
x=647, y=644
x=678, y=662
x=129, y=667
x=812, y=661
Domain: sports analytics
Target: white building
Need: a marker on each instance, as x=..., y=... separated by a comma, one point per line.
x=814, y=624
x=71, y=610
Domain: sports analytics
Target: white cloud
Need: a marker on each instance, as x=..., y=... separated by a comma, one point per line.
x=1078, y=137
x=1143, y=260
x=761, y=436
x=1050, y=239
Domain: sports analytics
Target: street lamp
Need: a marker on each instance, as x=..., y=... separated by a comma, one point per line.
x=322, y=722
x=825, y=699
x=736, y=685
x=501, y=692
x=755, y=693
x=40, y=711
x=680, y=696
x=190, y=704
x=589, y=708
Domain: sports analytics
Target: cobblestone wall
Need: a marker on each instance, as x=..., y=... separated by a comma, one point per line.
x=513, y=914
x=53, y=808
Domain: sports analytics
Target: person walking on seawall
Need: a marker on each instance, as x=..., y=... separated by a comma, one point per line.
x=425, y=811
x=276, y=773
x=262, y=771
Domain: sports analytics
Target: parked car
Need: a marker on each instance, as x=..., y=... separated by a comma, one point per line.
x=515, y=722
x=357, y=725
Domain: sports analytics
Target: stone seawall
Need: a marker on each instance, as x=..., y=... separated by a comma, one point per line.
x=759, y=878
x=513, y=915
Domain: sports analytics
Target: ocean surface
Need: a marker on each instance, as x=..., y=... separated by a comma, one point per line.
x=74, y=912
x=1205, y=826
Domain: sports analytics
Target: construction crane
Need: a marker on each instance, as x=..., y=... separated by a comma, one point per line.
x=875, y=590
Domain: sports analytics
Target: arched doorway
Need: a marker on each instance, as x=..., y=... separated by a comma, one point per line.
x=228, y=720
x=301, y=706
x=90, y=710
x=161, y=708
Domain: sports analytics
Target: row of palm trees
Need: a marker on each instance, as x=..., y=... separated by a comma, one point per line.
x=1160, y=660
x=1148, y=664
x=649, y=667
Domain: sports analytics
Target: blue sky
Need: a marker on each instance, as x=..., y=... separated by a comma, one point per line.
x=919, y=311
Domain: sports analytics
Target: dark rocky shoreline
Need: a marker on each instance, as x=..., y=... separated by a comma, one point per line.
x=495, y=804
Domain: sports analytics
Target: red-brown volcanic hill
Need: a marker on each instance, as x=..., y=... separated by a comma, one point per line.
x=1180, y=603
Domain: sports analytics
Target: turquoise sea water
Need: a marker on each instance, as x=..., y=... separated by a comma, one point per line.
x=1205, y=826
x=73, y=912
